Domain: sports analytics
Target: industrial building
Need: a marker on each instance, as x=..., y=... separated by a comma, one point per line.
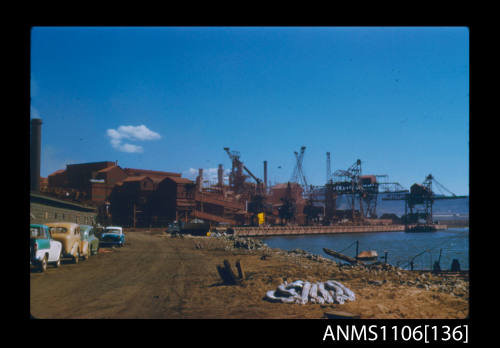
x=45, y=209
x=133, y=197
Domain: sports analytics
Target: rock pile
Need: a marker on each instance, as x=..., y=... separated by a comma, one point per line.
x=243, y=243
x=309, y=256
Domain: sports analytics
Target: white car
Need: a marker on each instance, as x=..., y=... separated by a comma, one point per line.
x=44, y=249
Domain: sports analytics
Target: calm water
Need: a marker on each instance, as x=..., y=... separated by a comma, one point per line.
x=401, y=246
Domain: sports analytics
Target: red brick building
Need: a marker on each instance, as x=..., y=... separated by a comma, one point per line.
x=104, y=181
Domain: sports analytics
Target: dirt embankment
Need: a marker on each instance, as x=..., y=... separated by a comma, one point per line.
x=159, y=276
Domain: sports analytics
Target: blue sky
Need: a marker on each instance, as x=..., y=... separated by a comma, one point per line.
x=172, y=98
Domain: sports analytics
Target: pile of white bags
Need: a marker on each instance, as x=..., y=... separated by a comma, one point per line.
x=302, y=292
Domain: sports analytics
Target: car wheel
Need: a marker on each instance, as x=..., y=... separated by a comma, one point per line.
x=43, y=264
x=58, y=262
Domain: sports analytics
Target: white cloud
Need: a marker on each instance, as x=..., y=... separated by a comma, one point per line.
x=131, y=148
x=134, y=133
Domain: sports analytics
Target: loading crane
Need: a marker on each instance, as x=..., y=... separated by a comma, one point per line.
x=351, y=182
x=298, y=175
x=422, y=195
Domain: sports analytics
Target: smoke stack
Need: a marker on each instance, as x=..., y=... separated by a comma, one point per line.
x=265, y=175
x=35, y=154
x=220, y=175
x=328, y=167
x=199, y=179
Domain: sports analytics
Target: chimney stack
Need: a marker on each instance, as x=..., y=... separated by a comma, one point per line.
x=265, y=175
x=35, y=153
x=220, y=175
x=199, y=179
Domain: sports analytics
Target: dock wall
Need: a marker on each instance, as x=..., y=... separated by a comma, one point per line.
x=304, y=230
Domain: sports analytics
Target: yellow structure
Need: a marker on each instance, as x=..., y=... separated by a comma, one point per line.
x=261, y=218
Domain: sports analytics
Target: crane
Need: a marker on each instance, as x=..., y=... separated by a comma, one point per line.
x=348, y=182
x=298, y=174
x=422, y=194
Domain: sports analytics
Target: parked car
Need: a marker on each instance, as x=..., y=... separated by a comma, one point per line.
x=68, y=233
x=112, y=235
x=43, y=249
x=98, y=230
x=87, y=234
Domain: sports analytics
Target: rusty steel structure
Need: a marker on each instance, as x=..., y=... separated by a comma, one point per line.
x=360, y=188
x=352, y=182
x=420, y=202
x=298, y=175
x=237, y=178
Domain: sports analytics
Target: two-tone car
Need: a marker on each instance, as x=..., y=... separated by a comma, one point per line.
x=43, y=248
x=90, y=243
x=111, y=236
x=68, y=233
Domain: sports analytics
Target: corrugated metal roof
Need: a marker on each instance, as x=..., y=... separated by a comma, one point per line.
x=180, y=180
x=43, y=197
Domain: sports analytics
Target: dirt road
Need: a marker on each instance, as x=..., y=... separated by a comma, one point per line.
x=144, y=279
x=155, y=276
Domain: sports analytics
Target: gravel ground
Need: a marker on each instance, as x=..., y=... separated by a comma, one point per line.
x=161, y=276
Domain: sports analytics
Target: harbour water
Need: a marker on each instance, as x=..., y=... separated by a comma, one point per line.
x=402, y=247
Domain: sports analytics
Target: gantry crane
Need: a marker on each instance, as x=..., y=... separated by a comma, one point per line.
x=348, y=182
x=422, y=195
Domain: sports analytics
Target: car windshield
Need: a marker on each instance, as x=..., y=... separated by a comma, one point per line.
x=84, y=230
x=58, y=230
x=113, y=230
x=36, y=232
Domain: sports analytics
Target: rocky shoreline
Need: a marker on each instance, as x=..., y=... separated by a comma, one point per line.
x=383, y=291
x=377, y=274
